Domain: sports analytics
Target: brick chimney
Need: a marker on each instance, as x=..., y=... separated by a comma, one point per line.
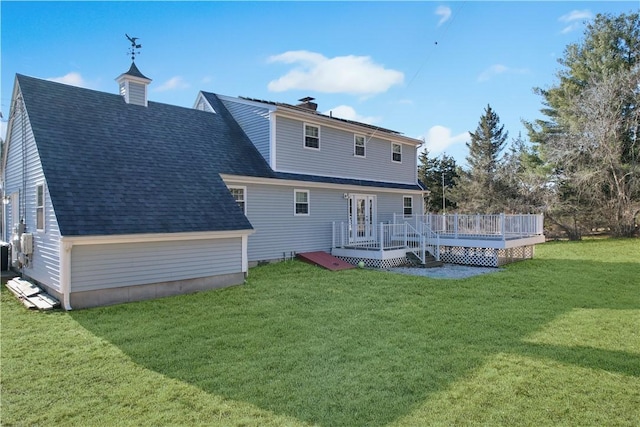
x=306, y=103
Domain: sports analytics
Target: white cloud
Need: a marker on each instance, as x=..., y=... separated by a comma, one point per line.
x=444, y=12
x=349, y=113
x=575, y=19
x=174, y=83
x=497, y=69
x=439, y=138
x=357, y=75
x=73, y=79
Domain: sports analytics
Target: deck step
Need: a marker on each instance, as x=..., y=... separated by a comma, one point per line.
x=429, y=262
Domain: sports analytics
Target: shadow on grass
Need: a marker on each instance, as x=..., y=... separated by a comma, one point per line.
x=587, y=357
x=358, y=347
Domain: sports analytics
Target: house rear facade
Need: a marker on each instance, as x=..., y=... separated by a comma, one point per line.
x=112, y=198
x=325, y=169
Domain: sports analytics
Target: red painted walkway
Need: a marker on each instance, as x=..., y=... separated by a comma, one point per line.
x=325, y=260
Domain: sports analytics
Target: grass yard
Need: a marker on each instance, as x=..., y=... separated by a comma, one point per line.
x=550, y=341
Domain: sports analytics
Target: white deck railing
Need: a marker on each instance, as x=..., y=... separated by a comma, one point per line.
x=499, y=226
x=380, y=237
x=387, y=237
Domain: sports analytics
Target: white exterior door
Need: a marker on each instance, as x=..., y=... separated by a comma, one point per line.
x=362, y=218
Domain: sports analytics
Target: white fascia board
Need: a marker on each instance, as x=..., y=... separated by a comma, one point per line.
x=154, y=237
x=241, y=179
x=17, y=93
x=349, y=127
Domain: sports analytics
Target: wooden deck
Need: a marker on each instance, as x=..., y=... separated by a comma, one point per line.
x=487, y=240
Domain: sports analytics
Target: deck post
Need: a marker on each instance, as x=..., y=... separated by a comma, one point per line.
x=455, y=225
x=406, y=238
x=382, y=240
x=502, y=227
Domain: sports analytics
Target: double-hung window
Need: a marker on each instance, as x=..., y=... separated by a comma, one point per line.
x=358, y=146
x=407, y=205
x=311, y=136
x=396, y=152
x=301, y=202
x=240, y=194
x=40, y=207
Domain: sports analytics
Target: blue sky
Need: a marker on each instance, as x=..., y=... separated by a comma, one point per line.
x=426, y=69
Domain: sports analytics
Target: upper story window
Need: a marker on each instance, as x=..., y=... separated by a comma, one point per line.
x=301, y=202
x=311, y=136
x=358, y=146
x=239, y=194
x=396, y=152
x=40, y=207
x=407, y=202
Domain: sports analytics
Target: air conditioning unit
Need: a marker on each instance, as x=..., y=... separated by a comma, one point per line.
x=26, y=243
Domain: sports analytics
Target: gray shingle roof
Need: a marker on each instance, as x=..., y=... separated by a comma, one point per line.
x=114, y=168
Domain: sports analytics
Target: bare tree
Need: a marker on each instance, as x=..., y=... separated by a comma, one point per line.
x=599, y=154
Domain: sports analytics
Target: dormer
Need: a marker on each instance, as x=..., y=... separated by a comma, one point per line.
x=133, y=86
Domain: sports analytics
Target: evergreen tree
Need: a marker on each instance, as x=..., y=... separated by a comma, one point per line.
x=432, y=172
x=479, y=188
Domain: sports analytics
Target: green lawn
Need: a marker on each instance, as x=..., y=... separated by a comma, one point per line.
x=550, y=341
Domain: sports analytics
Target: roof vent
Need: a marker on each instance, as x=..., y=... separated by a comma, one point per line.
x=306, y=103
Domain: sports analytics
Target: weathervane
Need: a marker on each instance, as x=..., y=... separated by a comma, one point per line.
x=134, y=46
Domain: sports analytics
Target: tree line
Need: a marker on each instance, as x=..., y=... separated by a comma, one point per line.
x=580, y=165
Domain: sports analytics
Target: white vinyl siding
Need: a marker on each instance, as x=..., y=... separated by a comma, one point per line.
x=129, y=264
x=137, y=93
x=311, y=136
x=359, y=146
x=45, y=262
x=277, y=236
x=254, y=121
x=396, y=152
x=336, y=158
x=301, y=204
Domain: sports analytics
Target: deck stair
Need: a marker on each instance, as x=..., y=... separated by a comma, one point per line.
x=429, y=262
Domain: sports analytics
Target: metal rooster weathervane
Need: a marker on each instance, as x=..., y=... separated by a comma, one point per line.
x=134, y=46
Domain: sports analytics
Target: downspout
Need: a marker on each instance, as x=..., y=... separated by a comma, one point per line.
x=65, y=273
x=245, y=255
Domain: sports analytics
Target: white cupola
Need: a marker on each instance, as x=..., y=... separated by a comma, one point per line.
x=133, y=86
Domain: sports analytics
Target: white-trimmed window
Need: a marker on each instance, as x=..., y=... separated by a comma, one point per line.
x=40, y=207
x=407, y=205
x=396, y=152
x=301, y=202
x=311, y=136
x=240, y=196
x=358, y=146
